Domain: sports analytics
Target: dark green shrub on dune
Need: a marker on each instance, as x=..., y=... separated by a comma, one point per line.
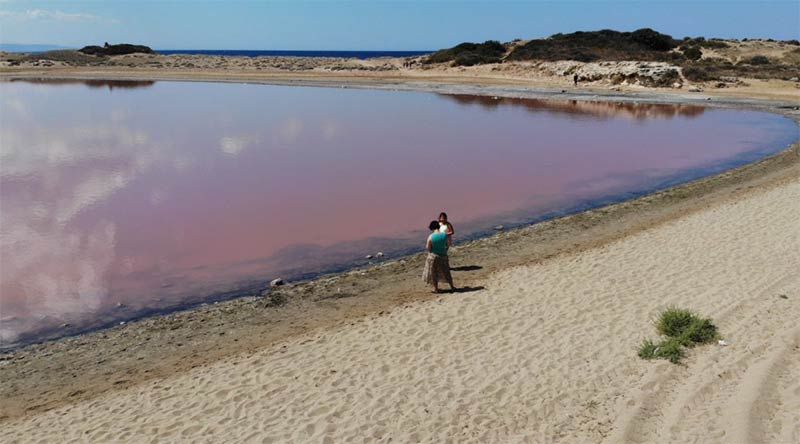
x=692, y=53
x=758, y=60
x=652, y=40
x=643, y=44
x=111, y=50
x=468, y=54
x=715, y=44
x=697, y=74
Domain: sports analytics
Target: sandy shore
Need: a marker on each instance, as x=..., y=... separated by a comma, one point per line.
x=542, y=352
x=770, y=90
x=543, y=349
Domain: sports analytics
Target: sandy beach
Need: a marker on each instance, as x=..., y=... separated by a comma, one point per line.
x=542, y=352
x=540, y=348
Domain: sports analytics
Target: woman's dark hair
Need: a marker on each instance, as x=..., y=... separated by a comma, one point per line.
x=434, y=225
x=442, y=214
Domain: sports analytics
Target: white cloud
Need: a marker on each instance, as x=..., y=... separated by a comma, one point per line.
x=54, y=15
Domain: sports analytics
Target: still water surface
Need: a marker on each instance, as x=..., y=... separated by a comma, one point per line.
x=120, y=198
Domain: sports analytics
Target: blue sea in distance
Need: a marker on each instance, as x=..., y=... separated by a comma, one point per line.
x=289, y=53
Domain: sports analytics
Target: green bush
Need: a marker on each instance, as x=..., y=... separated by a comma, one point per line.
x=692, y=53
x=109, y=50
x=700, y=331
x=468, y=54
x=652, y=40
x=670, y=349
x=648, y=349
x=714, y=44
x=470, y=58
x=673, y=321
x=703, y=43
x=683, y=329
x=643, y=44
x=696, y=74
x=758, y=60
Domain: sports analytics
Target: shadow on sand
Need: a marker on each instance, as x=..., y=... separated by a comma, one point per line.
x=466, y=289
x=466, y=268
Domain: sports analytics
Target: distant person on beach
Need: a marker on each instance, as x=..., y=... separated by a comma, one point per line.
x=575, y=79
x=437, y=265
x=445, y=226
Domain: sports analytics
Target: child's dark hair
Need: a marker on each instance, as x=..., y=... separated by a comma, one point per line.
x=434, y=225
x=443, y=214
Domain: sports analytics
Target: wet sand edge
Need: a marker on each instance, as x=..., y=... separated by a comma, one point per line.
x=43, y=376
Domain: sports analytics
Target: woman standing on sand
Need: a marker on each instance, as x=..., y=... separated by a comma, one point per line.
x=445, y=226
x=437, y=265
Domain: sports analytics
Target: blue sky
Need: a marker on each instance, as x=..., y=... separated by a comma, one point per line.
x=375, y=25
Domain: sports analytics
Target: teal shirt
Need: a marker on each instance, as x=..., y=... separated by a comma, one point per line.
x=439, y=244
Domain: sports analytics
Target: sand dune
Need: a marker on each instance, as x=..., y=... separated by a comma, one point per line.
x=545, y=353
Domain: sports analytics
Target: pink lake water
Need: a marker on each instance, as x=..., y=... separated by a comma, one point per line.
x=120, y=199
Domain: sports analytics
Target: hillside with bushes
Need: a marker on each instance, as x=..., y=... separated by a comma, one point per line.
x=112, y=50
x=701, y=59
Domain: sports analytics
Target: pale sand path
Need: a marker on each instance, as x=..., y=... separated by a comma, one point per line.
x=546, y=353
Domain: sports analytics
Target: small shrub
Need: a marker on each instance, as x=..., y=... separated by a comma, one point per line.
x=683, y=329
x=700, y=331
x=470, y=59
x=648, y=349
x=714, y=44
x=673, y=321
x=671, y=349
x=692, y=53
x=696, y=74
x=758, y=60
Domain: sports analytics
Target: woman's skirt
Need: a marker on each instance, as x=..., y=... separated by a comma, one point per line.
x=437, y=268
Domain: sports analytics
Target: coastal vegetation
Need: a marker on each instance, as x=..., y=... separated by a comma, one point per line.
x=468, y=54
x=643, y=44
x=112, y=50
x=701, y=59
x=682, y=329
x=643, y=57
x=88, y=55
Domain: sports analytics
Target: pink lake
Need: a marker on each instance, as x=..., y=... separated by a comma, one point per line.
x=155, y=195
